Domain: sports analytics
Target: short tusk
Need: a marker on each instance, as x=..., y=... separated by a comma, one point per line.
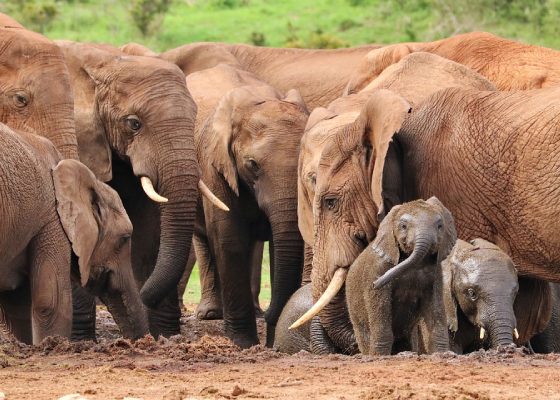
x=482, y=333
x=206, y=192
x=336, y=283
x=515, y=333
x=150, y=191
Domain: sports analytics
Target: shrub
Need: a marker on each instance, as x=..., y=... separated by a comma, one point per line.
x=147, y=15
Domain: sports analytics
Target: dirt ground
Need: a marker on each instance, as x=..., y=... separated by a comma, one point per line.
x=200, y=364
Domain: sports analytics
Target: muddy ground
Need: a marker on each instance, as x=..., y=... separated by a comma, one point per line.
x=202, y=365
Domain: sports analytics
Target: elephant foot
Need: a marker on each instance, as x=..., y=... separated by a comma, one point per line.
x=270, y=334
x=244, y=341
x=209, y=309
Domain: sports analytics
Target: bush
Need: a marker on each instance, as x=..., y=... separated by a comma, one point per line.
x=36, y=15
x=147, y=15
x=258, y=39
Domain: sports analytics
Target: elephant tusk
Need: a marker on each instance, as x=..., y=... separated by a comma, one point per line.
x=515, y=333
x=150, y=191
x=206, y=192
x=482, y=333
x=336, y=283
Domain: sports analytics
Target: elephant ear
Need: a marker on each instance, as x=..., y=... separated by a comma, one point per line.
x=385, y=243
x=223, y=128
x=294, y=97
x=85, y=209
x=317, y=115
x=86, y=65
x=382, y=117
x=449, y=232
x=448, y=268
x=373, y=64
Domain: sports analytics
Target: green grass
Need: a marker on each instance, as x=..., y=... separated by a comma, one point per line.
x=192, y=294
x=308, y=23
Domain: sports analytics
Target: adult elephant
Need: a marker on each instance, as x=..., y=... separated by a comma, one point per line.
x=71, y=210
x=487, y=145
x=346, y=132
x=508, y=64
x=134, y=124
x=319, y=75
x=247, y=136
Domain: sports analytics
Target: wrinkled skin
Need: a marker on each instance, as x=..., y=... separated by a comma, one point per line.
x=339, y=202
x=71, y=211
x=508, y=64
x=135, y=118
x=420, y=235
x=480, y=287
x=292, y=341
x=319, y=75
x=35, y=89
x=247, y=136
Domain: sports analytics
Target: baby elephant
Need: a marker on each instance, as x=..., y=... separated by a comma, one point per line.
x=479, y=289
x=397, y=280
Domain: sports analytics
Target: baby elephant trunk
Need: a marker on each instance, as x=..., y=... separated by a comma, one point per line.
x=422, y=245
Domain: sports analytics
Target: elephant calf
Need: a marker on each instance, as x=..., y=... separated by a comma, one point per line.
x=479, y=290
x=397, y=279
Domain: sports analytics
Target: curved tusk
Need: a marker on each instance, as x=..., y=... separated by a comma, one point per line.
x=150, y=191
x=515, y=333
x=206, y=192
x=334, y=286
x=482, y=333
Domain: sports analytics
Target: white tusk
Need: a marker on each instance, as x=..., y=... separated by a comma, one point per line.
x=206, y=192
x=334, y=286
x=515, y=333
x=150, y=191
x=482, y=333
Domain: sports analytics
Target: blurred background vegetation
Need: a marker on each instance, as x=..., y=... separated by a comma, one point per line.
x=163, y=24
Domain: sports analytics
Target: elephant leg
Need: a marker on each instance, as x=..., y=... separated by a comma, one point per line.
x=83, y=316
x=210, y=306
x=51, y=290
x=182, y=286
x=380, y=320
x=256, y=269
x=15, y=312
x=164, y=319
x=234, y=269
x=320, y=341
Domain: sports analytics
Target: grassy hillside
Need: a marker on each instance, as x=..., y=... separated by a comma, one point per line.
x=301, y=23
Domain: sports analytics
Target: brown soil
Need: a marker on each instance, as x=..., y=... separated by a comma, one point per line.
x=200, y=364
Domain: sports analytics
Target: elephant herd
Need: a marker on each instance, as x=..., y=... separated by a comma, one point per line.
x=408, y=192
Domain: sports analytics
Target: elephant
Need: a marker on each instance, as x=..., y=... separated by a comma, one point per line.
x=247, y=135
x=508, y=64
x=480, y=286
x=134, y=126
x=319, y=75
x=397, y=280
x=548, y=341
x=72, y=211
x=338, y=157
x=35, y=89
x=489, y=145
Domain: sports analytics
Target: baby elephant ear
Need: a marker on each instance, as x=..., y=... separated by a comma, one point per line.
x=385, y=243
x=448, y=269
x=75, y=198
x=449, y=232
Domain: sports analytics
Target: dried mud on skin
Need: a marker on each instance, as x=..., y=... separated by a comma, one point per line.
x=201, y=364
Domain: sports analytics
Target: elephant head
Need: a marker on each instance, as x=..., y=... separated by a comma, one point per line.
x=139, y=110
x=480, y=281
x=98, y=227
x=252, y=140
x=35, y=89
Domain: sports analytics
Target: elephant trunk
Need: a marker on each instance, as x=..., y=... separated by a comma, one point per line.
x=178, y=183
x=287, y=259
x=501, y=328
x=422, y=246
x=64, y=138
x=335, y=319
x=128, y=312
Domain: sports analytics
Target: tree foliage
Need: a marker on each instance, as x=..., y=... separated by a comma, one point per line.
x=148, y=15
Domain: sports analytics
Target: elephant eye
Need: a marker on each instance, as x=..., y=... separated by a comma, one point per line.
x=133, y=123
x=313, y=179
x=331, y=203
x=21, y=100
x=252, y=165
x=123, y=241
x=472, y=294
x=403, y=226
